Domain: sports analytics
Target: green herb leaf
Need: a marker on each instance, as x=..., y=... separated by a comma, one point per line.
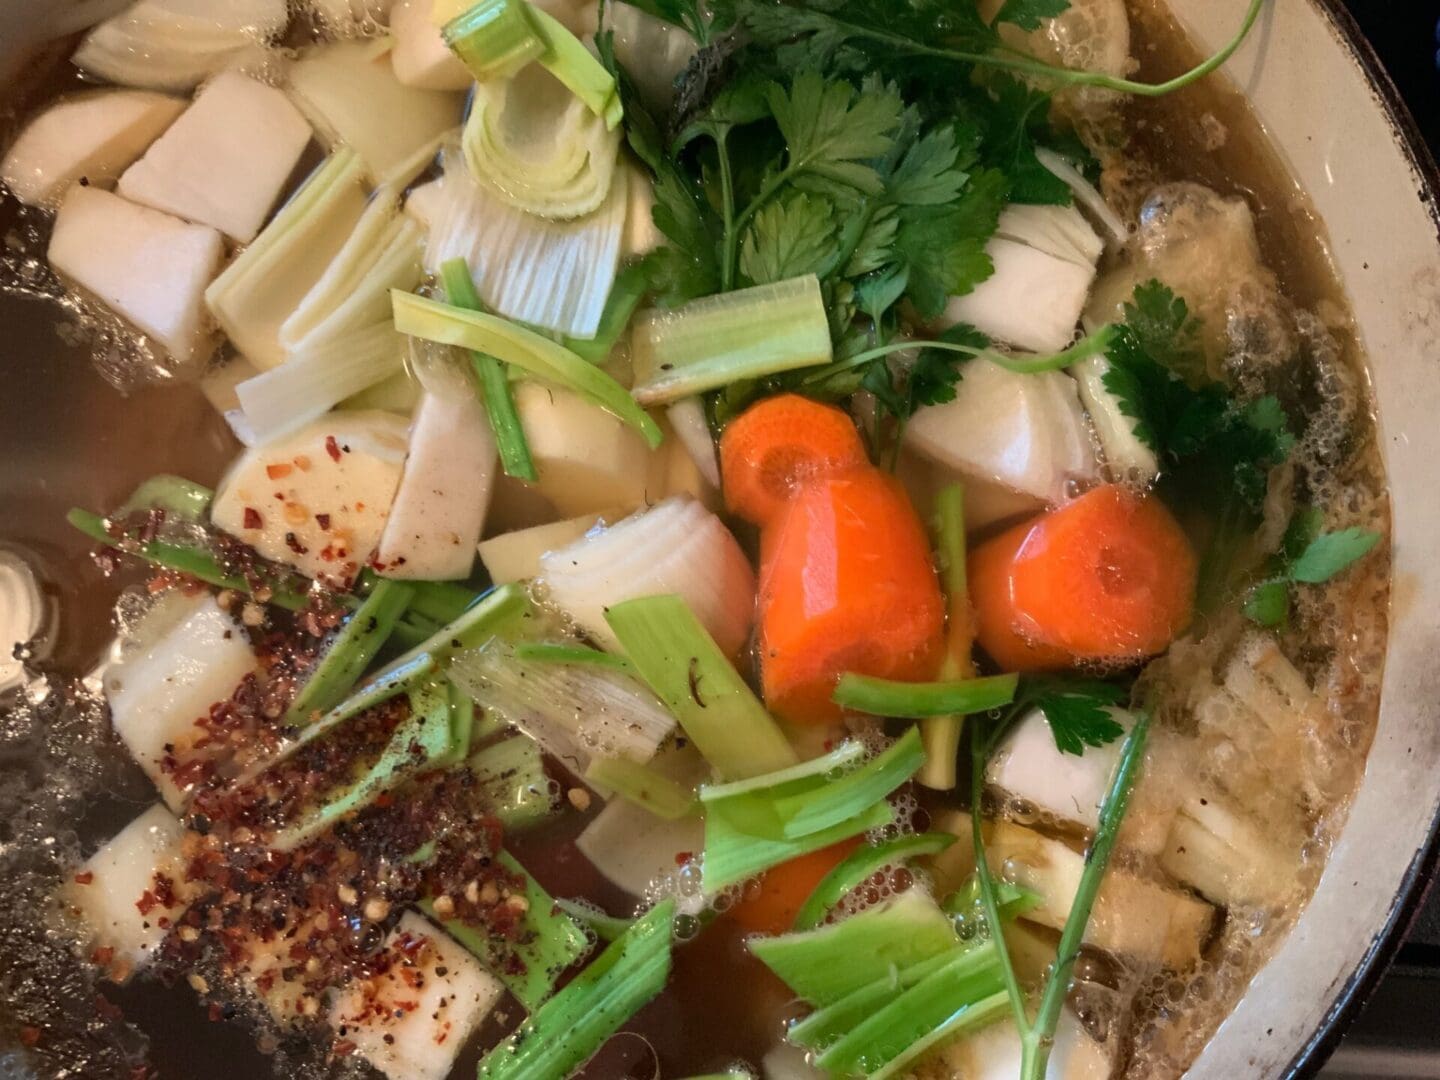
x=1015, y=118
x=1029, y=14
x=930, y=173
x=1268, y=604
x=1165, y=330
x=1330, y=553
x=831, y=132
x=791, y=237
x=937, y=371
x=1076, y=709
x=945, y=248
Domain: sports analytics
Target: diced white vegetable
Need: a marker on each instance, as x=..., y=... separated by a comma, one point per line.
x=587, y=459
x=1033, y=300
x=318, y=377
x=1024, y=433
x=1028, y=766
x=115, y=890
x=426, y=203
x=1126, y=456
x=515, y=556
x=240, y=427
x=439, y=509
x=420, y=56
x=266, y=283
x=636, y=850
x=225, y=161
x=94, y=136
x=353, y=99
x=1061, y=231
x=553, y=274
x=1132, y=917
x=654, y=50
x=993, y=1053
x=220, y=382
x=175, y=44
x=186, y=655
x=687, y=419
x=151, y=269
x=1085, y=192
x=335, y=480
x=413, y=1021
x=1227, y=857
x=675, y=547
x=986, y=503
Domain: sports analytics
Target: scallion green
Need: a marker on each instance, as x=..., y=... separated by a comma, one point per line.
x=351, y=652
x=884, y=697
x=804, y=813
x=859, y=867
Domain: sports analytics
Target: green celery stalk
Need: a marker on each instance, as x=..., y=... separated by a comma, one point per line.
x=177, y=496
x=568, y=1029
x=822, y=1027
x=474, y=626
x=914, y=701
x=942, y=733
x=625, y=296
x=511, y=773
x=567, y=58
x=439, y=601
x=494, y=38
x=804, y=813
x=745, y=334
x=732, y=854
x=643, y=786
x=548, y=653
x=826, y=965
x=350, y=653
x=859, y=866
x=847, y=754
x=687, y=670
x=494, y=382
x=605, y=927
x=885, y=1036
x=969, y=1019
x=552, y=942
x=522, y=348
x=427, y=730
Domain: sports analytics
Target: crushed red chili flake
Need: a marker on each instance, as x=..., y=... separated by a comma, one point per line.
x=102, y=956
x=252, y=519
x=278, y=472
x=293, y=543
x=323, y=520
x=332, y=448
x=683, y=857
x=30, y=1035
x=84, y=877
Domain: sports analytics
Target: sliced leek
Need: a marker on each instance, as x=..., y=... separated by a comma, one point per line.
x=494, y=38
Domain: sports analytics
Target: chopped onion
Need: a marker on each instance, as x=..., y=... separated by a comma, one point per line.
x=687, y=418
x=354, y=100
x=575, y=711
x=1061, y=231
x=1086, y=193
x=548, y=273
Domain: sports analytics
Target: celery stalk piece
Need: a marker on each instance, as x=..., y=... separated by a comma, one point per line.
x=549, y=653
x=825, y=965
x=732, y=855
x=967, y=1020
x=572, y=1026
x=914, y=701
x=804, y=813
x=511, y=773
x=683, y=665
x=823, y=1027
x=462, y=727
x=524, y=349
x=847, y=754
x=605, y=927
x=722, y=339
x=550, y=943
x=351, y=652
x=181, y=499
x=1011, y=900
x=567, y=58
x=474, y=626
x=625, y=295
x=942, y=733
x=494, y=383
x=643, y=786
x=859, y=867
x=495, y=38
x=443, y=601
x=422, y=740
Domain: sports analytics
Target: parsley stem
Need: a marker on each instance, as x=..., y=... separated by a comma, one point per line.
x=727, y=208
x=981, y=743
x=1064, y=76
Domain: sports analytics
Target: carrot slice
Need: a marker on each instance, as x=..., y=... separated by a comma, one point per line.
x=1110, y=576
x=779, y=444
x=771, y=907
x=846, y=584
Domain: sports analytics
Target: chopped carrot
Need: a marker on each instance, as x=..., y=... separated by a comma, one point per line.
x=774, y=447
x=846, y=584
x=1109, y=576
x=771, y=909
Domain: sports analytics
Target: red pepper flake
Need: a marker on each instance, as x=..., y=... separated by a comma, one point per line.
x=323, y=520
x=85, y=877
x=332, y=448
x=359, y=507
x=29, y=1035
x=344, y=1048
x=278, y=472
x=301, y=462
x=293, y=543
x=253, y=520
x=102, y=956
x=147, y=902
x=683, y=857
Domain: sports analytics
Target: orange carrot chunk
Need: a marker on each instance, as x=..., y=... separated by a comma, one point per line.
x=774, y=447
x=1109, y=576
x=771, y=907
x=846, y=584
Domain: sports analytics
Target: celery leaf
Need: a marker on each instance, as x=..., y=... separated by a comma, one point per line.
x=1077, y=710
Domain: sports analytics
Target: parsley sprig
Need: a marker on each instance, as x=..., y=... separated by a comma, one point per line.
x=1307, y=556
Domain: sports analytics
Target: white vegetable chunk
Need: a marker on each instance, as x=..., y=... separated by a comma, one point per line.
x=1024, y=433
x=317, y=500
x=439, y=509
x=515, y=556
x=636, y=850
x=986, y=503
x=677, y=547
x=116, y=891
x=1061, y=231
x=1126, y=456
x=149, y=268
x=420, y=56
x=224, y=162
x=687, y=419
x=219, y=383
x=1032, y=301
x=655, y=50
x=426, y=202
x=412, y=1021
x=1227, y=857
x=993, y=1053
x=1132, y=917
x=354, y=99
x=186, y=655
x=92, y=136
x=587, y=459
